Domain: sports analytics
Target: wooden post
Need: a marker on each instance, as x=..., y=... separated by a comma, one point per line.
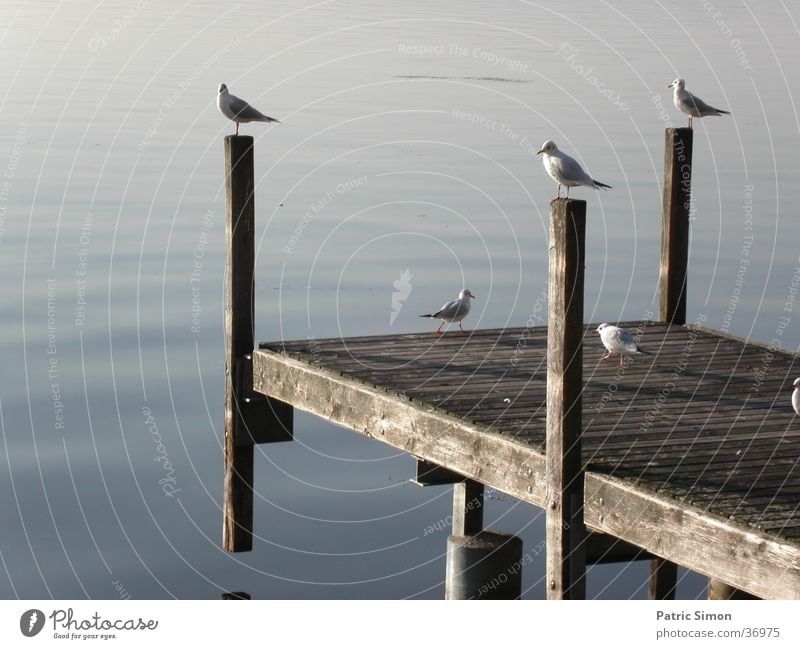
x=720, y=590
x=237, y=529
x=467, y=508
x=481, y=564
x=675, y=225
x=566, y=553
x=675, y=213
x=663, y=579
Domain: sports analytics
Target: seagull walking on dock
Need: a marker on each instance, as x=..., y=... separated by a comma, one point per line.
x=239, y=110
x=565, y=170
x=796, y=396
x=620, y=341
x=454, y=311
x=693, y=106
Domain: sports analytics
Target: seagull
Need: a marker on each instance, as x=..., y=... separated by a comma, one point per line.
x=796, y=396
x=693, y=106
x=617, y=340
x=239, y=110
x=565, y=170
x=454, y=311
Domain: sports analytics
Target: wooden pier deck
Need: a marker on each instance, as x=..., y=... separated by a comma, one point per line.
x=691, y=453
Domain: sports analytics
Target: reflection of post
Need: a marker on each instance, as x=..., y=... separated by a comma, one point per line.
x=237, y=535
x=675, y=225
x=566, y=554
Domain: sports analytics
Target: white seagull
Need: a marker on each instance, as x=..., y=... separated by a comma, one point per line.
x=617, y=340
x=565, y=170
x=239, y=110
x=796, y=396
x=454, y=311
x=693, y=106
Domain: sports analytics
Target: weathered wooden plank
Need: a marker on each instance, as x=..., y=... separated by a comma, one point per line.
x=753, y=561
x=566, y=553
x=495, y=460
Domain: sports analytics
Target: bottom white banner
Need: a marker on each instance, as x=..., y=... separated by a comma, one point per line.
x=390, y=624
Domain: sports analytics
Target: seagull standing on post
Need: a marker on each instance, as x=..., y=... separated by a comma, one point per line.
x=693, y=106
x=239, y=110
x=565, y=170
x=454, y=311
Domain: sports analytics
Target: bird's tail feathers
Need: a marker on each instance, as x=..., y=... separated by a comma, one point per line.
x=642, y=351
x=599, y=185
x=724, y=112
x=428, y=315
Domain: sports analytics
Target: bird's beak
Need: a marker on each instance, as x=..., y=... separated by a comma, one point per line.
x=669, y=86
x=540, y=151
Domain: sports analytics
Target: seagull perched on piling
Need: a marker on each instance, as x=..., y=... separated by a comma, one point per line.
x=454, y=311
x=565, y=170
x=693, y=106
x=796, y=396
x=617, y=340
x=239, y=110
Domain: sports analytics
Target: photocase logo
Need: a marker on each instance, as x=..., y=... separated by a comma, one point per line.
x=402, y=289
x=31, y=622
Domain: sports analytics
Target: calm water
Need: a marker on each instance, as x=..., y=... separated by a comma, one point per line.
x=407, y=144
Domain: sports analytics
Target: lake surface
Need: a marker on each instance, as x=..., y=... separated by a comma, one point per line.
x=407, y=146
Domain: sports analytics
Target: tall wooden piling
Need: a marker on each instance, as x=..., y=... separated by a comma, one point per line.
x=237, y=533
x=672, y=285
x=677, y=204
x=566, y=559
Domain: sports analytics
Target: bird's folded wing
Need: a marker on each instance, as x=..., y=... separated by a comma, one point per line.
x=449, y=309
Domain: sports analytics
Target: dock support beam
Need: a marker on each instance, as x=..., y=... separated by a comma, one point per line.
x=720, y=590
x=675, y=225
x=663, y=579
x=566, y=534
x=237, y=528
x=467, y=508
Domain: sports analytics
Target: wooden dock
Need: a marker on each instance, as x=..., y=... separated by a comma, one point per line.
x=686, y=456
x=701, y=468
